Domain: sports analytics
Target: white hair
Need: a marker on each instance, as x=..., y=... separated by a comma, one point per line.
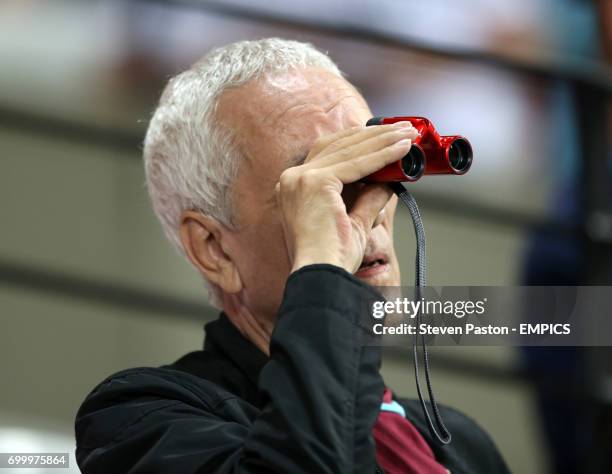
x=190, y=161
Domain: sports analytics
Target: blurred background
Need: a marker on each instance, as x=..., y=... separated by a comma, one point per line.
x=89, y=286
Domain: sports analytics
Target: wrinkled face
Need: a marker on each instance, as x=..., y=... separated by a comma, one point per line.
x=278, y=119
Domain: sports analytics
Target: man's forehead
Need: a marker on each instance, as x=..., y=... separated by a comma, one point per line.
x=288, y=100
x=294, y=94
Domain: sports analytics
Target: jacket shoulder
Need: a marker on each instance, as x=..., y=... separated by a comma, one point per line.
x=128, y=397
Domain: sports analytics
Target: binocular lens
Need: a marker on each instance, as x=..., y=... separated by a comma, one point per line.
x=460, y=155
x=413, y=163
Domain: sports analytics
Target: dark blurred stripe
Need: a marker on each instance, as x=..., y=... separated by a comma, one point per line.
x=91, y=290
x=57, y=127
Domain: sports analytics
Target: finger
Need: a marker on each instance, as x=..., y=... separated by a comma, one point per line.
x=327, y=140
x=355, y=169
x=369, y=205
x=345, y=138
x=371, y=145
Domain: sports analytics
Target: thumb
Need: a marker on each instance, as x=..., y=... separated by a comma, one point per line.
x=371, y=200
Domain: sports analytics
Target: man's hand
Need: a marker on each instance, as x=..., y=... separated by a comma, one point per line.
x=317, y=226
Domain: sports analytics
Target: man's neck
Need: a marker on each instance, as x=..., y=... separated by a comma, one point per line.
x=250, y=327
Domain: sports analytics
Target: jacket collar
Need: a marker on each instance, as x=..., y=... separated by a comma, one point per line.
x=224, y=339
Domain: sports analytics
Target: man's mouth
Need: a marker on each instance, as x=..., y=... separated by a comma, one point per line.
x=372, y=265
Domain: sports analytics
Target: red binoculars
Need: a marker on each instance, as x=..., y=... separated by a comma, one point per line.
x=430, y=153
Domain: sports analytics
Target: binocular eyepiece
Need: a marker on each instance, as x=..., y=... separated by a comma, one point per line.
x=430, y=153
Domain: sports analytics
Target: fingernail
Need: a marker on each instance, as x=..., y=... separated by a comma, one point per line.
x=404, y=142
x=403, y=124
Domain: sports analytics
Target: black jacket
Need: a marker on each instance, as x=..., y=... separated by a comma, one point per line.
x=309, y=408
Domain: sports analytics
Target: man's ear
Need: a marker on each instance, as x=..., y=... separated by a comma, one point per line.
x=201, y=237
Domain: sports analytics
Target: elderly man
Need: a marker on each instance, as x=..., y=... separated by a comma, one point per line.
x=252, y=159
